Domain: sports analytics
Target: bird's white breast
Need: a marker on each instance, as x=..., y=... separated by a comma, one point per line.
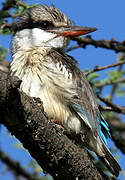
x=45, y=80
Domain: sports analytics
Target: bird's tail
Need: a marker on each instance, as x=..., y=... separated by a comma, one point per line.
x=110, y=162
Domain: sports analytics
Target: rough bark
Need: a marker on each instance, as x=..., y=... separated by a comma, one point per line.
x=25, y=118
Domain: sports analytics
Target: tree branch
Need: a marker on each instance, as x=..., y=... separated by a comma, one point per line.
x=12, y=3
x=107, y=44
x=118, y=131
x=113, y=106
x=8, y=4
x=5, y=66
x=97, y=68
x=24, y=117
x=115, y=86
x=109, y=82
x=16, y=167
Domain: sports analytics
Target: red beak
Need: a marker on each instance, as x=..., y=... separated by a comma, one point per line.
x=72, y=31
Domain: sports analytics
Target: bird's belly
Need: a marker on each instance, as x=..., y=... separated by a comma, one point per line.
x=54, y=105
x=54, y=108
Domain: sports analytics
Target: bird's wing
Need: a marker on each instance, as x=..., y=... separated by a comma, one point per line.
x=87, y=107
x=83, y=103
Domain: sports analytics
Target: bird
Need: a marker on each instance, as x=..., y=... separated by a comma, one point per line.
x=40, y=38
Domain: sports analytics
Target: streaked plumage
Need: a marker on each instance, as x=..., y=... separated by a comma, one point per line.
x=53, y=76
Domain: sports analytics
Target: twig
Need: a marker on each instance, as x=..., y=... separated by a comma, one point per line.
x=72, y=48
x=114, y=87
x=99, y=85
x=108, y=44
x=105, y=108
x=21, y=3
x=114, y=107
x=97, y=68
x=8, y=4
x=117, y=131
x=6, y=25
x=16, y=167
x=15, y=15
x=119, y=126
x=12, y=3
x=4, y=66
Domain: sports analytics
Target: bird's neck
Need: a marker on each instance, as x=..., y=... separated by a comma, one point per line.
x=30, y=57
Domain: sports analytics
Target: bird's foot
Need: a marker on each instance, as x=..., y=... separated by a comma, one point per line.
x=58, y=125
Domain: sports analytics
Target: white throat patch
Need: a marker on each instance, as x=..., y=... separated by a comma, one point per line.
x=36, y=37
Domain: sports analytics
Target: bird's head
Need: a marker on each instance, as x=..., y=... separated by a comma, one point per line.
x=45, y=26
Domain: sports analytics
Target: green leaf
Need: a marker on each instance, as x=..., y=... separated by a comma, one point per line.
x=114, y=75
x=120, y=92
x=92, y=76
x=5, y=31
x=86, y=70
x=19, y=10
x=122, y=84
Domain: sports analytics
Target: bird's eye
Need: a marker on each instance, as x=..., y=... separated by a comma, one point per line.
x=45, y=24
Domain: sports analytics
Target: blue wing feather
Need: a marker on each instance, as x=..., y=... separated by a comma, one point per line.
x=103, y=127
x=83, y=115
x=105, y=124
